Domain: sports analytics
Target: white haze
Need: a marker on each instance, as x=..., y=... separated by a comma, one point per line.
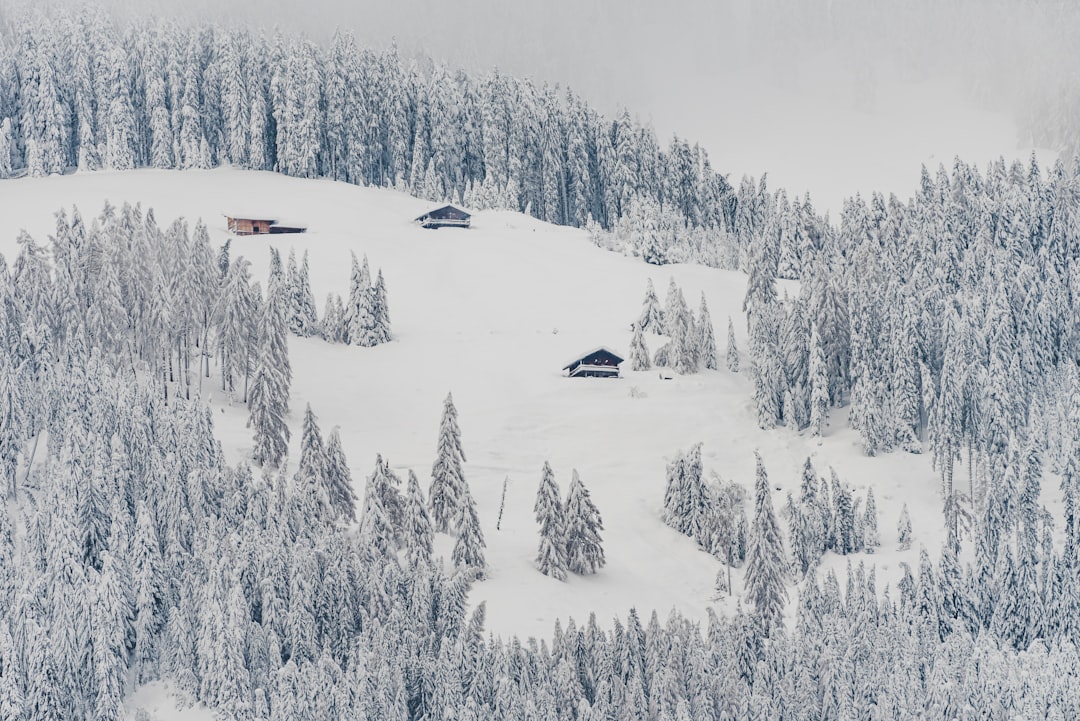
x=830, y=96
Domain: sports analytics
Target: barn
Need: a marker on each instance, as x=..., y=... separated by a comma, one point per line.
x=247, y=225
x=445, y=217
x=598, y=363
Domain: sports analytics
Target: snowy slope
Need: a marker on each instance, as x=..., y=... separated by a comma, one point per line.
x=492, y=314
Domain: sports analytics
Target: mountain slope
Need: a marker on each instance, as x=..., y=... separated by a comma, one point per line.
x=492, y=314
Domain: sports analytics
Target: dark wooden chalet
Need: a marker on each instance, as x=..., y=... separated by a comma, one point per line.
x=445, y=217
x=261, y=226
x=599, y=363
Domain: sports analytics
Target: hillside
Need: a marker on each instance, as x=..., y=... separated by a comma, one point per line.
x=492, y=314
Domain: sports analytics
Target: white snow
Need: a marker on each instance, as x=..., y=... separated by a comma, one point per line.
x=491, y=314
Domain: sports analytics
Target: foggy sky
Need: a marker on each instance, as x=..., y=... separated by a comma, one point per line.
x=828, y=95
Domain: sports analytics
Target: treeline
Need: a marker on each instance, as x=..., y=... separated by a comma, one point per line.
x=945, y=324
x=79, y=90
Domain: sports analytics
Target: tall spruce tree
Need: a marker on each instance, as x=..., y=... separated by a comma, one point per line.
x=381, y=311
x=584, y=549
x=765, y=576
x=269, y=396
x=551, y=554
x=418, y=531
x=359, y=282
x=652, y=317
x=312, y=467
x=819, y=384
x=469, y=545
x=338, y=479
x=639, y=352
x=706, y=343
x=447, y=476
x=731, y=357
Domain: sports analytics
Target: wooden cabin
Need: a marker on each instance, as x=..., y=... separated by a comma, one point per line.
x=261, y=226
x=599, y=363
x=445, y=217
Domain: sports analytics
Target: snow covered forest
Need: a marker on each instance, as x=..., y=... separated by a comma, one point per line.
x=131, y=551
x=164, y=95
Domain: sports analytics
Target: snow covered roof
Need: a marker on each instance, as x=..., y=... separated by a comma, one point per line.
x=601, y=349
x=252, y=216
x=447, y=211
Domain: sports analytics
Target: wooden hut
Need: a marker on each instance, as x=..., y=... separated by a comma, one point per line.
x=599, y=363
x=261, y=226
x=445, y=217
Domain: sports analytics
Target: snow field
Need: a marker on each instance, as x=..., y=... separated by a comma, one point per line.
x=492, y=314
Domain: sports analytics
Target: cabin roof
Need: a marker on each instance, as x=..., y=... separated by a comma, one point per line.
x=443, y=211
x=602, y=349
x=264, y=218
x=261, y=217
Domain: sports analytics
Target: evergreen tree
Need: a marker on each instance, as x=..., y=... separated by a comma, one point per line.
x=732, y=355
x=418, y=531
x=870, y=537
x=551, y=555
x=903, y=529
x=377, y=537
x=269, y=397
x=584, y=552
x=311, y=474
x=686, y=498
x=819, y=384
x=652, y=317
x=147, y=570
x=639, y=352
x=338, y=479
x=707, y=342
x=765, y=557
x=381, y=311
x=447, y=477
x=333, y=327
x=469, y=546
x=359, y=282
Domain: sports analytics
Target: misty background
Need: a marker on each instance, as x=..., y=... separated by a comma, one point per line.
x=830, y=96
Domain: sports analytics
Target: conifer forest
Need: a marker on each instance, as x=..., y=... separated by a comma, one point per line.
x=181, y=513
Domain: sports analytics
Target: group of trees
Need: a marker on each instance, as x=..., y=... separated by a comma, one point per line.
x=569, y=531
x=692, y=341
x=163, y=301
x=452, y=508
x=828, y=517
x=711, y=513
x=165, y=95
x=364, y=319
x=944, y=324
